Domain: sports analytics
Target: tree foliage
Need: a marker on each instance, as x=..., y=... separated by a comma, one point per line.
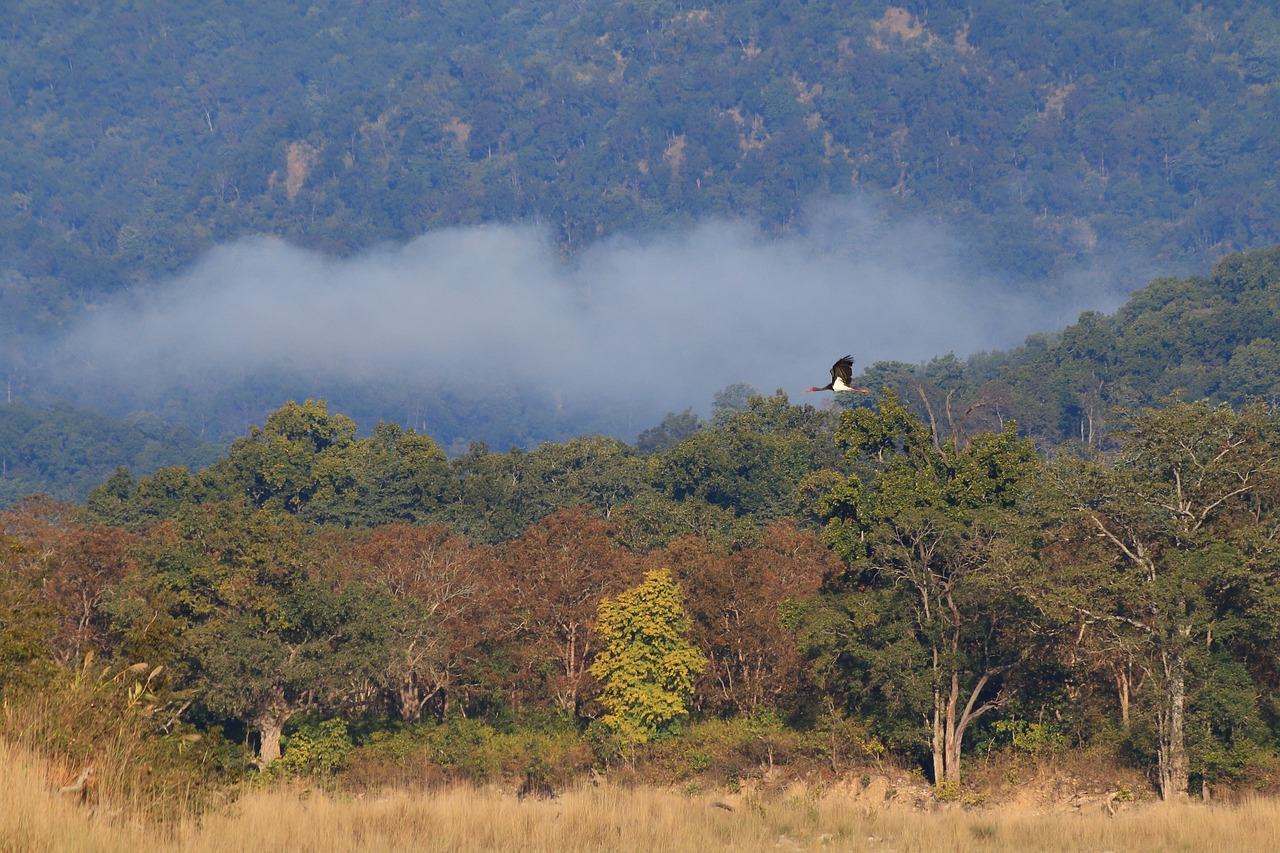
x=144, y=134
x=906, y=570
x=742, y=603
x=938, y=545
x=646, y=666
x=1061, y=135
x=1181, y=526
x=259, y=636
x=1203, y=337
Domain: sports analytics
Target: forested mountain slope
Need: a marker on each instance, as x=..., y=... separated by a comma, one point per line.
x=143, y=133
x=63, y=451
x=139, y=133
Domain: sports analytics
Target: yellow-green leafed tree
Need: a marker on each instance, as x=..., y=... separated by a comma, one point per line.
x=646, y=666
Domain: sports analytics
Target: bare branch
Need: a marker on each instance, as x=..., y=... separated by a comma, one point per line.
x=933, y=423
x=1113, y=617
x=1135, y=555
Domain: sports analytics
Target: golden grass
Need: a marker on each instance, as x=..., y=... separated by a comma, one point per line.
x=103, y=718
x=605, y=818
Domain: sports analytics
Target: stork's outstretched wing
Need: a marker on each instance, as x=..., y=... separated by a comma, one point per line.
x=841, y=378
x=842, y=371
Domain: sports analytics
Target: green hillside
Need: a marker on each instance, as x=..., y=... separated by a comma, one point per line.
x=1211, y=338
x=139, y=133
x=63, y=451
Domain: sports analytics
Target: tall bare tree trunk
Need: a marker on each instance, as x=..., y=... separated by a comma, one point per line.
x=951, y=753
x=1122, y=689
x=1173, y=762
x=951, y=722
x=939, y=737
x=939, y=755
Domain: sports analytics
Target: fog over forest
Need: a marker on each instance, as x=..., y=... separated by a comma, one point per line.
x=626, y=331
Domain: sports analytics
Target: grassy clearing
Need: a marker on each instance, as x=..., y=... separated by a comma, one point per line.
x=602, y=818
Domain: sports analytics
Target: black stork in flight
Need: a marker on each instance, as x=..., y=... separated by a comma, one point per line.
x=841, y=376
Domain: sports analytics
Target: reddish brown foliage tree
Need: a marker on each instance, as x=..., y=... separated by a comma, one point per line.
x=551, y=581
x=438, y=577
x=737, y=600
x=80, y=565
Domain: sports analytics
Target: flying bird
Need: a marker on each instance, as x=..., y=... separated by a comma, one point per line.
x=841, y=376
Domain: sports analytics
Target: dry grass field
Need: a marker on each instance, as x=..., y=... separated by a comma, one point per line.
x=33, y=817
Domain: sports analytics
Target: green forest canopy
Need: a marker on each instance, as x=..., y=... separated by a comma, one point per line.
x=141, y=133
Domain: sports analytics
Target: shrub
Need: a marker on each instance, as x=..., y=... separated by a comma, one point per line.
x=313, y=749
x=468, y=750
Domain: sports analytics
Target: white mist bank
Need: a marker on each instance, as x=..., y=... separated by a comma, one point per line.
x=661, y=322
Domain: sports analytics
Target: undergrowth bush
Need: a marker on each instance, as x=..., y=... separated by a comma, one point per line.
x=733, y=750
x=468, y=750
x=311, y=749
x=1028, y=738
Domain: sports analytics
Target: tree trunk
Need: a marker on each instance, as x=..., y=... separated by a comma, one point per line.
x=269, y=724
x=939, y=764
x=952, y=760
x=269, y=729
x=952, y=731
x=1173, y=763
x=951, y=736
x=409, y=699
x=939, y=738
x=1122, y=690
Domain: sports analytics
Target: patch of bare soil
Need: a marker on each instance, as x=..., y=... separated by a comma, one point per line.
x=1083, y=783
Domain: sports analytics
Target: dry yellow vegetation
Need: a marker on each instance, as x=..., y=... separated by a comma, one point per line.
x=33, y=817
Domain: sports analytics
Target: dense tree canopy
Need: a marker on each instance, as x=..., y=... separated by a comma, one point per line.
x=928, y=587
x=1171, y=554
x=1204, y=337
x=938, y=550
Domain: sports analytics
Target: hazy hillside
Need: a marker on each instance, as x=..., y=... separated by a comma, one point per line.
x=1201, y=338
x=143, y=132
x=530, y=200
x=1210, y=338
